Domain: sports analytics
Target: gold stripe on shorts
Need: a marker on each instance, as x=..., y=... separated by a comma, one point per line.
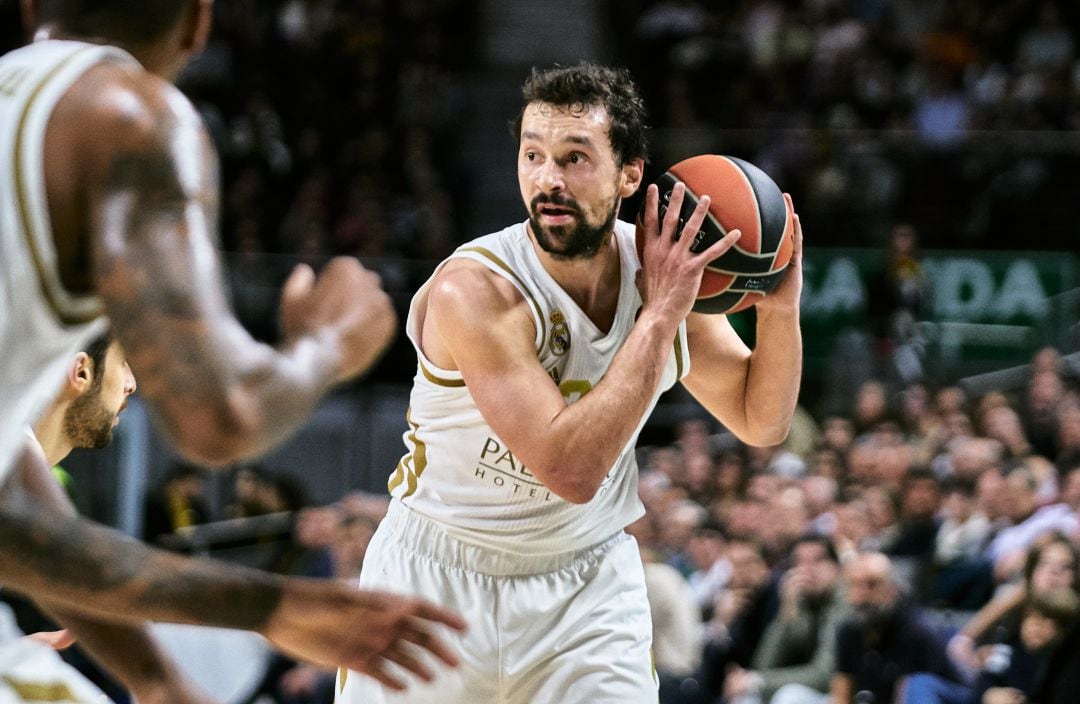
x=40, y=691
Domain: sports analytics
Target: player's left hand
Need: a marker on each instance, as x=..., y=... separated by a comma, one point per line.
x=786, y=296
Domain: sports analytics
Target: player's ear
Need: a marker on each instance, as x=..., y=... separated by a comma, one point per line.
x=81, y=372
x=197, y=25
x=632, y=173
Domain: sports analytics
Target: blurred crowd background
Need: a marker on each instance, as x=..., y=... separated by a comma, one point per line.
x=930, y=489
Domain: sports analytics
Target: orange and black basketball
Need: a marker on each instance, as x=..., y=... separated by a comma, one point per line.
x=745, y=198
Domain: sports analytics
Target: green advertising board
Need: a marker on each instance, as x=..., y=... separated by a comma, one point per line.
x=984, y=311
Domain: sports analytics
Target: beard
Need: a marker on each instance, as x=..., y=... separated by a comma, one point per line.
x=87, y=423
x=871, y=616
x=580, y=241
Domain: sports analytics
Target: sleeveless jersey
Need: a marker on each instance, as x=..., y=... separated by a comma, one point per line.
x=41, y=325
x=461, y=475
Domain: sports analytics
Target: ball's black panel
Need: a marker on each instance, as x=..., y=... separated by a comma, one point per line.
x=770, y=204
x=739, y=286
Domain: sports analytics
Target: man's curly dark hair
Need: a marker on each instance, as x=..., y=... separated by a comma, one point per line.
x=580, y=88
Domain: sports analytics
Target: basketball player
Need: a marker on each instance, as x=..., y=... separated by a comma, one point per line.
x=542, y=349
x=93, y=394
x=108, y=203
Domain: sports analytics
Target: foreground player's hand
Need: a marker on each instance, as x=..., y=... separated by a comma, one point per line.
x=57, y=640
x=335, y=625
x=343, y=306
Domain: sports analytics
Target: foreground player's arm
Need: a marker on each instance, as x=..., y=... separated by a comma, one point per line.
x=151, y=184
x=87, y=568
x=125, y=649
x=483, y=324
x=131, y=654
x=752, y=393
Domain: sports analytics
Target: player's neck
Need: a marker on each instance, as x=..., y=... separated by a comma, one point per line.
x=157, y=60
x=50, y=433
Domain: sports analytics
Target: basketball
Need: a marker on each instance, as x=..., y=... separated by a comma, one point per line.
x=744, y=198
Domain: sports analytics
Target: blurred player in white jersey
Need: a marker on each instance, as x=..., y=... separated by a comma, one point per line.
x=108, y=210
x=542, y=349
x=92, y=395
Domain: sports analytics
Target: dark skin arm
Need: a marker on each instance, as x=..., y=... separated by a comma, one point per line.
x=133, y=190
x=126, y=650
x=93, y=570
x=55, y=556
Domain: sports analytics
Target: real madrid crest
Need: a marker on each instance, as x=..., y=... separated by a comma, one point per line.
x=559, y=341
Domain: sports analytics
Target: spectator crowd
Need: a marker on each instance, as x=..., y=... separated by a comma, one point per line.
x=870, y=111
x=920, y=547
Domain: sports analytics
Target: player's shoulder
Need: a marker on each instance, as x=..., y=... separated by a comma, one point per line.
x=467, y=285
x=123, y=103
x=469, y=281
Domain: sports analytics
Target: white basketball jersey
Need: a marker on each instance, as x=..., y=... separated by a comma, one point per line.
x=460, y=474
x=41, y=325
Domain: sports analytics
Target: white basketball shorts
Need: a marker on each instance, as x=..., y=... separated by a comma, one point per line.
x=558, y=629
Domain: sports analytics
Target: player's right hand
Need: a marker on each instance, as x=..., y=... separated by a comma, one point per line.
x=670, y=274
x=57, y=640
x=344, y=306
x=335, y=625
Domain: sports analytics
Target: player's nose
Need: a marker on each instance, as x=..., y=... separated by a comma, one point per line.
x=549, y=177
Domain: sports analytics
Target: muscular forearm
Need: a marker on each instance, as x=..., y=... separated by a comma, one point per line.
x=587, y=437
x=126, y=650
x=246, y=409
x=85, y=567
x=774, y=374
x=154, y=198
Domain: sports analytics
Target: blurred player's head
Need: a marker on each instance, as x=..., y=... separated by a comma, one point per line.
x=167, y=32
x=582, y=149
x=98, y=385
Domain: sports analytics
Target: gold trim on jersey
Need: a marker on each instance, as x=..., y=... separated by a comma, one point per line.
x=411, y=465
x=40, y=691
x=342, y=675
x=59, y=309
x=484, y=251
x=678, y=356
x=450, y=383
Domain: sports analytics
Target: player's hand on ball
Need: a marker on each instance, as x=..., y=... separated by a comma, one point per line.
x=787, y=294
x=334, y=625
x=344, y=307
x=670, y=272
